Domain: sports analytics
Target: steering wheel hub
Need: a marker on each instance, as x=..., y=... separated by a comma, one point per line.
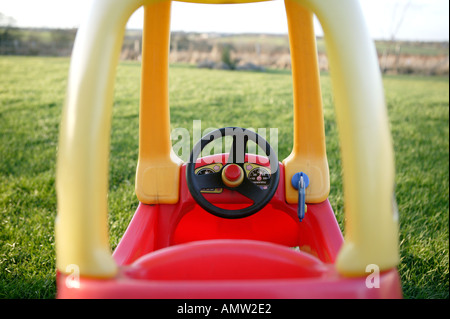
x=232, y=175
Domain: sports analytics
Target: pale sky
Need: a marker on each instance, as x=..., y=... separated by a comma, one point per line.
x=424, y=20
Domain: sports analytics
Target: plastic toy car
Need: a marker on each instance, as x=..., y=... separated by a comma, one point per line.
x=224, y=226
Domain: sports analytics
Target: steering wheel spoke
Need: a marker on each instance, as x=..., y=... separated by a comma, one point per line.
x=238, y=148
x=251, y=191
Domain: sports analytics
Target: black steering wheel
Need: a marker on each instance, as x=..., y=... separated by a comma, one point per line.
x=231, y=176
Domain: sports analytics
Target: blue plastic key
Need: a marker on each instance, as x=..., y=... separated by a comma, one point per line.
x=300, y=181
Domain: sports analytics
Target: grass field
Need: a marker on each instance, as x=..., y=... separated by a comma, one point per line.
x=32, y=92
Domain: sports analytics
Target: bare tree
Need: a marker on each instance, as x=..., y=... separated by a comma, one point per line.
x=395, y=27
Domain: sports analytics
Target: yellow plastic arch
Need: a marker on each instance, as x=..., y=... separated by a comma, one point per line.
x=366, y=146
x=367, y=155
x=157, y=174
x=309, y=151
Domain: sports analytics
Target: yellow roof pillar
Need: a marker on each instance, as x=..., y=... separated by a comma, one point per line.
x=371, y=222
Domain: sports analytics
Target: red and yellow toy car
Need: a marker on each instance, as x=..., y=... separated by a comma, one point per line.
x=223, y=226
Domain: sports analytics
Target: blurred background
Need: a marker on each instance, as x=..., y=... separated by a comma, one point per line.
x=411, y=36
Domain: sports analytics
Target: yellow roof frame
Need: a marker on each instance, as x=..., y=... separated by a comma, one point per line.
x=367, y=152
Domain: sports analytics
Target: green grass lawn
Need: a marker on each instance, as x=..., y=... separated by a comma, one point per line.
x=32, y=92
